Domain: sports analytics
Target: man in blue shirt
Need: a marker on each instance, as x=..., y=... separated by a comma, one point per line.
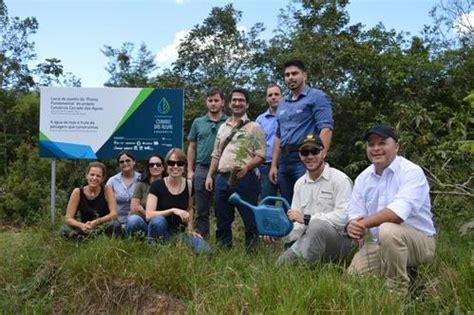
x=304, y=111
x=268, y=122
x=201, y=142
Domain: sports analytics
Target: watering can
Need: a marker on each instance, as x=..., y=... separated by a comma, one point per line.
x=269, y=219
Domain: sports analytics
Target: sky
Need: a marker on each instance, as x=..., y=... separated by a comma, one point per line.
x=75, y=31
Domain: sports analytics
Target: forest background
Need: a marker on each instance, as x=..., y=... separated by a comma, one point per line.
x=421, y=85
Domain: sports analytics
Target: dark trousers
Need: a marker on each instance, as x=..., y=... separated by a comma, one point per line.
x=203, y=200
x=290, y=168
x=247, y=188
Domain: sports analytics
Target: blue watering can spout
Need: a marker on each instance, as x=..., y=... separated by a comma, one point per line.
x=269, y=219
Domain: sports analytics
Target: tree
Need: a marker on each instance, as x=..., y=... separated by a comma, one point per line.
x=219, y=53
x=127, y=70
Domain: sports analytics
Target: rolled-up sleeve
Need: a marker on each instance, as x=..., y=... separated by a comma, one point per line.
x=408, y=197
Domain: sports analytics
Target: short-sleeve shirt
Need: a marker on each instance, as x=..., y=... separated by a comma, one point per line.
x=123, y=194
x=203, y=132
x=141, y=192
x=402, y=188
x=230, y=157
x=167, y=200
x=308, y=114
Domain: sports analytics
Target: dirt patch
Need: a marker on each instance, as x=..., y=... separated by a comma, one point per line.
x=120, y=296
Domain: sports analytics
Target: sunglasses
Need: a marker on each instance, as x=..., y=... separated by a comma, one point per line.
x=174, y=163
x=125, y=161
x=313, y=151
x=158, y=164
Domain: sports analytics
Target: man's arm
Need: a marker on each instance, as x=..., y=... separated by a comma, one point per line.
x=273, y=174
x=326, y=135
x=357, y=227
x=191, y=155
x=210, y=174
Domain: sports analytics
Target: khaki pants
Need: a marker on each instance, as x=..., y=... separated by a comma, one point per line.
x=399, y=246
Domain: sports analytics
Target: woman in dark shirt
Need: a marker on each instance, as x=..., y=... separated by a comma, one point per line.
x=96, y=206
x=169, y=204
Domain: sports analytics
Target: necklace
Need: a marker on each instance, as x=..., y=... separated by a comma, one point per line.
x=91, y=193
x=174, y=189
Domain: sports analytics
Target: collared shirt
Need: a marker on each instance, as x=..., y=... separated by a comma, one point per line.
x=402, y=187
x=308, y=114
x=203, y=132
x=269, y=124
x=325, y=198
x=123, y=194
x=239, y=151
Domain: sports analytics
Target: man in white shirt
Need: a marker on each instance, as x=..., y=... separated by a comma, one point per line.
x=318, y=209
x=391, y=199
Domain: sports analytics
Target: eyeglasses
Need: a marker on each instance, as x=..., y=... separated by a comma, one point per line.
x=174, y=163
x=313, y=151
x=125, y=161
x=158, y=164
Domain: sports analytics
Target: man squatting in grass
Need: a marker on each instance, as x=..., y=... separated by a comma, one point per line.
x=201, y=142
x=318, y=210
x=391, y=199
x=304, y=111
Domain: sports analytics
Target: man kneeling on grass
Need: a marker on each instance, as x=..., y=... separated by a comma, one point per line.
x=391, y=198
x=318, y=209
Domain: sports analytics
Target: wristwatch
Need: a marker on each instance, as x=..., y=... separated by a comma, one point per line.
x=306, y=219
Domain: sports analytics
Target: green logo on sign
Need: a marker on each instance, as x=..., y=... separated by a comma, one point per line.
x=163, y=107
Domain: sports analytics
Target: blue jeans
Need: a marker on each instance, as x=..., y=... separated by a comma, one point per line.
x=158, y=228
x=225, y=211
x=266, y=186
x=135, y=225
x=290, y=168
x=203, y=200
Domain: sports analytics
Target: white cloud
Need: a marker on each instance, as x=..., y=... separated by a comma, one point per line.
x=169, y=53
x=464, y=24
x=179, y=1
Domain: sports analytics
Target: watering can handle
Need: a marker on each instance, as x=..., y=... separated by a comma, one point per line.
x=268, y=199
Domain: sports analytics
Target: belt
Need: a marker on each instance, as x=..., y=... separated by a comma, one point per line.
x=267, y=163
x=290, y=148
x=204, y=164
x=223, y=174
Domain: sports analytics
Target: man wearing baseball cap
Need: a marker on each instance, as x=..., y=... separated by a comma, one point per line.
x=391, y=200
x=318, y=209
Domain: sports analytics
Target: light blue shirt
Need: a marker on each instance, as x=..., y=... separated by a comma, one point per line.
x=310, y=113
x=269, y=124
x=123, y=194
x=402, y=187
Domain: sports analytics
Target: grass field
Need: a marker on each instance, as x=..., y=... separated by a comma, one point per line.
x=40, y=273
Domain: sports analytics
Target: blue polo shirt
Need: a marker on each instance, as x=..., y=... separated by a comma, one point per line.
x=203, y=132
x=310, y=113
x=269, y=124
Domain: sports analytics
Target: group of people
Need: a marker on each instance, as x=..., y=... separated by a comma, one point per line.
x=386, y=213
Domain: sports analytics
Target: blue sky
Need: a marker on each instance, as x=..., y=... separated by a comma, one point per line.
x=75, y=30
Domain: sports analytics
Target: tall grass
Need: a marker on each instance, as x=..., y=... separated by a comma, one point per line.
x=40, y=273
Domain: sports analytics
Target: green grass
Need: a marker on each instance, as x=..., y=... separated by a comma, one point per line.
x=40, y=273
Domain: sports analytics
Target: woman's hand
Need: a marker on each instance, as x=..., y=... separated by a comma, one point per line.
x=194, y=234
x=184, y=215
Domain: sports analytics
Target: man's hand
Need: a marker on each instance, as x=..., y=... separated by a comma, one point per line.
x=296, y=215
x=355, y=229
x=209, y=183
x=190, y=174
x=273, y=175
x=268, y=239
x=242, y=172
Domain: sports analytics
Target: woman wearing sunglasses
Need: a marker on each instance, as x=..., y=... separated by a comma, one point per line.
x=95, y=204
x=169, y=204
x=123, y=184
x=137, y=218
